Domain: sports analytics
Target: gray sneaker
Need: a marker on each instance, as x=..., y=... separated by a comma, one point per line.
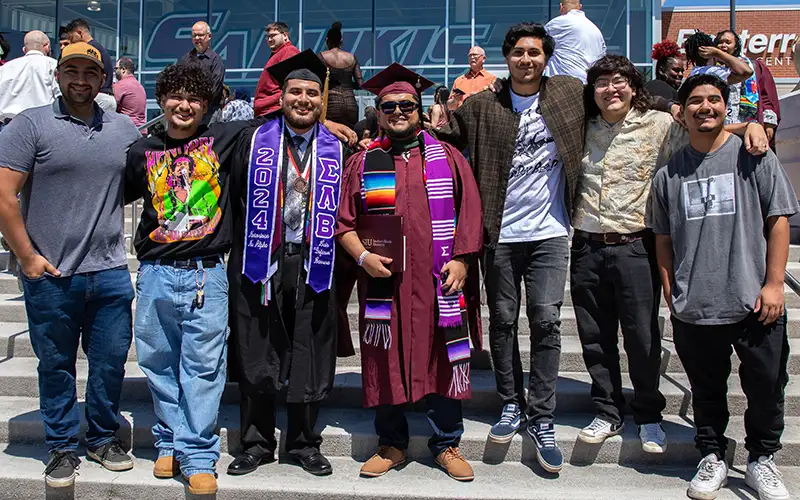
x=60, y=470
x=111, y=456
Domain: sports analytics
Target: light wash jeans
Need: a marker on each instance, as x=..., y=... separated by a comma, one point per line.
x=182, y=350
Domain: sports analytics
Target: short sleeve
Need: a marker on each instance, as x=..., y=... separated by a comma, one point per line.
x=658, y=205
x=18, y=144
x=774, y=188
x=676, y=138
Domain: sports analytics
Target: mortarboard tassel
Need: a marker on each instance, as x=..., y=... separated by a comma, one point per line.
x=324, y=114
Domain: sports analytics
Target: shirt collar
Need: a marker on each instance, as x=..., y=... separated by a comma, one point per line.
x=34, y=52
x=209, y=53
x=60, y=111
x=307, y=136
x=476, y=74
x=634, y=117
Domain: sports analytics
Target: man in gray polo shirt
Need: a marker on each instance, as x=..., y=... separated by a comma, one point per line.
x=67, y=160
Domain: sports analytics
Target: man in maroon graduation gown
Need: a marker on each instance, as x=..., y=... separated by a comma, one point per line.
x=415, y=333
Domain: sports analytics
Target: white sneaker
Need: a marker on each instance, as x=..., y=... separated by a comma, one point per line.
x=712, y=474
x=598, y=431
x=654, y=439
x=764, y=477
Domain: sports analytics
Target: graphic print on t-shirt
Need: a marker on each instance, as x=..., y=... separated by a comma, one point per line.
x=184, y=183
x=709, y=197
x=531, y=154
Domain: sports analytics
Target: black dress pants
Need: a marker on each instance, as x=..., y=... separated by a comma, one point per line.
x=257, y=415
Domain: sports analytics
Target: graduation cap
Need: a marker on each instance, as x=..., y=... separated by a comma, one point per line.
x=303, y=66
x=397, y=79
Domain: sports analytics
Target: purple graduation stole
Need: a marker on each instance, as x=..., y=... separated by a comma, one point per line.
x=265, y=202
x=378, y=196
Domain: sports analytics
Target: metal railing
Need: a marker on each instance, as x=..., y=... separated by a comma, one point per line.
x=792, y=282
x=152, y=122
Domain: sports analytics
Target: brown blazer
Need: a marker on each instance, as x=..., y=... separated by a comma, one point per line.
x=487, y=124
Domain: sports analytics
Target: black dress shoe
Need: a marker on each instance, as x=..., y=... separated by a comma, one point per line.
x=315, y=464
x=247, y=463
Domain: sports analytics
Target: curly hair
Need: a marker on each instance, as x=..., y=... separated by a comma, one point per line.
x=662, y=53
x=692, y=47
x=528, y=29
x=737, y=48
x=189, y=77
x=611, y=65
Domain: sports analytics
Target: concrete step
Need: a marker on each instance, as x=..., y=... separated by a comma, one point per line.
x=15, y=343
x=12, y=310
x=19, y=379
x=21, y=473
x=351, y=433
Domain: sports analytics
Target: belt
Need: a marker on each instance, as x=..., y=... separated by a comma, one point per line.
x=190, y=263
x=290, y=248
x=612, y=238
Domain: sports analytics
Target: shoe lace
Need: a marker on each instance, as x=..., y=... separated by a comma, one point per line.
x=597, y=424
x=708, y=469
x=546, y=436
x=453, y=454
x=58, y=459
x=508, y=415
x=768, y=473
x=650, y=431
x=116, y=448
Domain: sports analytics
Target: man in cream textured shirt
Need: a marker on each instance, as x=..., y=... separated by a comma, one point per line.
x=29, y=81
x=579, y=43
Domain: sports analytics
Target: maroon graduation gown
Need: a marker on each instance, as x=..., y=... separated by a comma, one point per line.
x=416, y=363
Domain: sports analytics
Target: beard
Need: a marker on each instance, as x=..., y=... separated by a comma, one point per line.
x=299, y=121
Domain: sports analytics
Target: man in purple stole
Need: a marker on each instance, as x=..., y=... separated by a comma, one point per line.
x=414, y=326
x=283, y=313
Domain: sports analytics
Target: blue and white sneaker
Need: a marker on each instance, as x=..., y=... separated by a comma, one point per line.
x=508, y=425
x=547, y=451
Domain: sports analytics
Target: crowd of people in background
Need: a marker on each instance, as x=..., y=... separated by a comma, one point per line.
x=250, y=243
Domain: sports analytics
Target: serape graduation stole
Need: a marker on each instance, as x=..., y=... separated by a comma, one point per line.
x=378, y=196
x=263, y=230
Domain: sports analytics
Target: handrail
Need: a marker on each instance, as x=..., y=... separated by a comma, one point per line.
x=151, y=122
x=793, y=283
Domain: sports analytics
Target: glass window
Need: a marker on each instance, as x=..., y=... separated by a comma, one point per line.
x=240, y=39
x=494, y=17
x=18, y=18
x=356, y=19
x=412, y=33
x=129, y=30
x=641, y=30
x=611, y=18
x=168, y=30
x=460, y=38
x=102, y=17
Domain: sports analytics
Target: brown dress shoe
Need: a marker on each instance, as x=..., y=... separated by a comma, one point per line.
x=455, y=465
x=166, y=467
x=387, y=458
x=203, y=484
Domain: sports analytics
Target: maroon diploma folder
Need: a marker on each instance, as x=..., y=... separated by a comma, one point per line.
x=383, y=235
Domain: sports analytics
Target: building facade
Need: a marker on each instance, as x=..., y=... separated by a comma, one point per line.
x=430, y=36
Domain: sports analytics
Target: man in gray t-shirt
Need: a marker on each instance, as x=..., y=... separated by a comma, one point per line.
x=68, y=160
x=720, y=216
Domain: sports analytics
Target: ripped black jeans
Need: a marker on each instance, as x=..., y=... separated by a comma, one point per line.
x=542, y=267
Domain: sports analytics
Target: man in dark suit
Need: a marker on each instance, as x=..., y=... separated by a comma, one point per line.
x=525, y=144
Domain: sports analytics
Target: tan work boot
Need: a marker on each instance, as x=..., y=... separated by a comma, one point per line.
x=166, y=467
x=387, y=458
x=455, y=465
x=203, y=484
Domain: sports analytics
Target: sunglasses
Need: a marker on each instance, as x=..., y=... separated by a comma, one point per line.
x=388, y=107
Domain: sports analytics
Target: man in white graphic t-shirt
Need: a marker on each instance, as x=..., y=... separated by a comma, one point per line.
x=525, y=145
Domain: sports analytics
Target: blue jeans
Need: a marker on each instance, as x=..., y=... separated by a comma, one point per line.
x=182, y=350
x=444, y=416
x=93, y=310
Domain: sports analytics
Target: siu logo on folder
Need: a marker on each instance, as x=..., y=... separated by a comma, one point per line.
x=383, y=235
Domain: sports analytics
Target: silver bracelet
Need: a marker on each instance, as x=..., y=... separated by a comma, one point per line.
x=362, y=257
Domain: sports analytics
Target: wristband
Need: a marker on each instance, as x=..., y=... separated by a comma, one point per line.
x=362, y=257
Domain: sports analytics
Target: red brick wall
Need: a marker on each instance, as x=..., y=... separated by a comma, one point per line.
x=767, y=22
